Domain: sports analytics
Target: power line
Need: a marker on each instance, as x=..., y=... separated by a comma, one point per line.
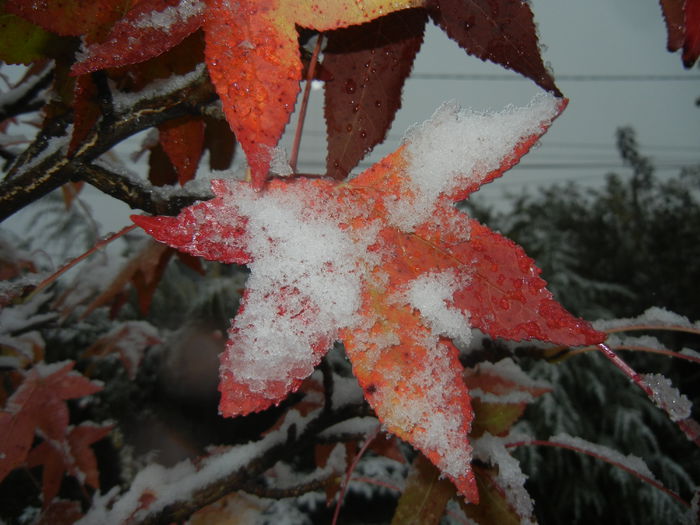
x=564, y=78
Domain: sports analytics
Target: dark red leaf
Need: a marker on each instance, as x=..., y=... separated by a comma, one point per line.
x=366, y=67
x=220, y=141
x=182, y=140
x=502, y=31
x=68, y=17
x=147, y=30
x=675, y=24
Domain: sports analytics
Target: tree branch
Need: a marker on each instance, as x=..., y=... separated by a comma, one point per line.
x=44, y=166
x=137, y=194
x=25, y=97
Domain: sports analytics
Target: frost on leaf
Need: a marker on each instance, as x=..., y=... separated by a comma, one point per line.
x=150, y=28
x=37, y=408
x=386, y=264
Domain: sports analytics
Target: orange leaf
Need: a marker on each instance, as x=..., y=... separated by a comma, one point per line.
x=252, y=53
x=386, y=264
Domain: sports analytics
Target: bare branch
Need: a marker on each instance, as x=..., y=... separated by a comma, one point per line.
x=45, y=166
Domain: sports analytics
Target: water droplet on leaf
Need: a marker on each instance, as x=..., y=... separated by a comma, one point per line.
x=350, y=86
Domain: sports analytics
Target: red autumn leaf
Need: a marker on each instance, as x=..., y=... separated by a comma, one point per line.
x=500, y=393
x=60, y=512
x=182, y=140
x=72, y=456
x=68, y=17
x=675, y=23
x=144, y=272
x=386, y=264
x=39, y=404
x=252, y=53
x=682, y=19
x=149, y=29
x=501, y=31
x=366, y=67
x=86, y=111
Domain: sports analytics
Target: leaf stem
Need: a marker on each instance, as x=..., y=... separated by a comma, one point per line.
x=98, y=245
x=611, y=461
x=688, y=426
x=638, y=348
x=355, y=461
x=294, y=157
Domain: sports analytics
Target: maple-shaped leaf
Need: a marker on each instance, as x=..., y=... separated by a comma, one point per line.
x=252, y=54
x=682, y=19
x=39, y=404
x=386, y=264
x=73, y=456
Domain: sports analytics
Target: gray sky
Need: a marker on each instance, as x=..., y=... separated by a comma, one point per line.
x=595, y=37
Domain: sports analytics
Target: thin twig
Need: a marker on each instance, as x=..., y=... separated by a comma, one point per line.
x=351, y=469
x=617, y=464
x=638, y=348
x=304, y=103
x=673, y=328
x=98, y=245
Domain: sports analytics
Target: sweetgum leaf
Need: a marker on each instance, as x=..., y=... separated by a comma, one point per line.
x=39, y=404
x=182, y=140
x=493, y=508
x=69, y=17
x=147, y=30
x=366, y=67
x=682, y=19
x=73, y=456
x=501, y=31
x=675, y=23
x=252, y=53
x=408, y=273
x=425, y=497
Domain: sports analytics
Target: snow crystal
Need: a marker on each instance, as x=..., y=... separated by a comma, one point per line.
x=125, y=102
x=22, y=316
x=352, y=426
x=492, y=450
x=304, y=286
x=690, y=353
x=666, y=397
x=456, y=148
x=170, y=16
x=431, y=294
x=346, y=392
x=630, y=461
x=652, y=316
x=431, y=427
x=280, y=164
